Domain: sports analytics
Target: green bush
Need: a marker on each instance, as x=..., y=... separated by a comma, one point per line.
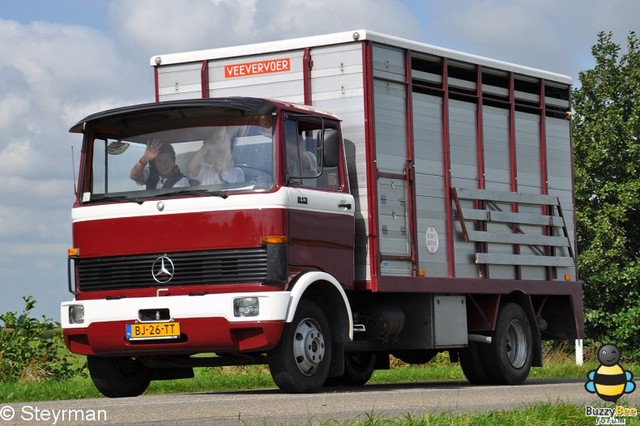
x=31, y=349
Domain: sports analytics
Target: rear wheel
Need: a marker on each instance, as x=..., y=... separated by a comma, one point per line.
x=118, y=376
x=301, y=361
x=358, y=368
x=474, y=365
x=508, y=357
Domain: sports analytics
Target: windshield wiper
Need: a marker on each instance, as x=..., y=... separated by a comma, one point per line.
x=224, y=193
x=116, y=199
x=199, y=192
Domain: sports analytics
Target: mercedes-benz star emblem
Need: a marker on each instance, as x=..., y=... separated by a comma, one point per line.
x=162, y=270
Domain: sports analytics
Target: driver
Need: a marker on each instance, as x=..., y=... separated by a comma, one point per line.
x=213, y=163
x=157, y=168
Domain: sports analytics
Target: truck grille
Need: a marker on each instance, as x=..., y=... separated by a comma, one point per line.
x=208, y=267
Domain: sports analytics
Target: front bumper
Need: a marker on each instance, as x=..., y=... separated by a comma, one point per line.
x=207, y=324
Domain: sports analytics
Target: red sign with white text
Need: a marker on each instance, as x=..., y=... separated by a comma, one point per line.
x=257, y=68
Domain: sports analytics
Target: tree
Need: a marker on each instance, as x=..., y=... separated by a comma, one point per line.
x=606, y=129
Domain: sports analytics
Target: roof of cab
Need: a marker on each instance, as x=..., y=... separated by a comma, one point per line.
x=257, y=105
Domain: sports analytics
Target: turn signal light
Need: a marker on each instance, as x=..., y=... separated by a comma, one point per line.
x=73, y=252
x=273, y=239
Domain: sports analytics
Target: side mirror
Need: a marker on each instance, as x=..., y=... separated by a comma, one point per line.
x=331, y=148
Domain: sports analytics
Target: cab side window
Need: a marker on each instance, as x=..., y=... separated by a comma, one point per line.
x=303, y=156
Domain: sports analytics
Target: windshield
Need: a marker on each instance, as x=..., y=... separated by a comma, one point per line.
x=192, y=160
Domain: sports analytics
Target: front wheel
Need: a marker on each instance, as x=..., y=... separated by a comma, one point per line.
x=509, y=355
x=117, y=377
x=301, y=361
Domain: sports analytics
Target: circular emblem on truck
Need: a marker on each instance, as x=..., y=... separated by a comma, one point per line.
x=162, y=270
x=432, y=240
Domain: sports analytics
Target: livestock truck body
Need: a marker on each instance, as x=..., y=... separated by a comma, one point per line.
x=388, y=198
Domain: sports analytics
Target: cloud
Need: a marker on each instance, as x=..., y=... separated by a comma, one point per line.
x=166, y=26
x=58, y=60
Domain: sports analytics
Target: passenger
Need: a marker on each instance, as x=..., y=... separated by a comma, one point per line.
x=157, y=168
x=213, y=163
x=300, y=162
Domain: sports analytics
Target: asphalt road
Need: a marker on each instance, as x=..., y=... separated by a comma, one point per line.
x=273, y=407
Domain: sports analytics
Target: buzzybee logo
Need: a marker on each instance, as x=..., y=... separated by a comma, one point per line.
x=609, y=381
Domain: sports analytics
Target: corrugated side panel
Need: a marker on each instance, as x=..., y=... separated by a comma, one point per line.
x=429, y=184
x=528, y=177
x=392, y=218
x=390, y=113
x=497, y=177
x=560, y=176
x=180, y=81
x=388, y=63
x=391, y=130
x=464, y=170
x=337, y=85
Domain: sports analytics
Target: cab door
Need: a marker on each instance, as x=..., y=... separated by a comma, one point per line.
x=320, y=208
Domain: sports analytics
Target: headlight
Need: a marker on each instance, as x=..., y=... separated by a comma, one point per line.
x=76, y=314
x=246, y=307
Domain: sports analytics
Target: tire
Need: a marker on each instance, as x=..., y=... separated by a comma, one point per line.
x=118, y=377
x=508, y=357
x=300, y=363
x=473, y=365
x=358, y=368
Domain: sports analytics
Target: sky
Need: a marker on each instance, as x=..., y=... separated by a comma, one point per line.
x=61, y=60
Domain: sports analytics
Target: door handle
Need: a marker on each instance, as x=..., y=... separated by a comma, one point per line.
x=344, y=204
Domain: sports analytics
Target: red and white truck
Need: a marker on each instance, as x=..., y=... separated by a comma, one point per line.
x=371, y=196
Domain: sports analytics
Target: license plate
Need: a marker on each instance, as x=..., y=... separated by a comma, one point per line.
x=158, y=330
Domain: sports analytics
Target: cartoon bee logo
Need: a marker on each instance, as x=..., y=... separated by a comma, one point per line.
x=609, y=381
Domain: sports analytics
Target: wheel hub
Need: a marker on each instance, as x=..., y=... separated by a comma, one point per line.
x=308, y=346
x=516, y=344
